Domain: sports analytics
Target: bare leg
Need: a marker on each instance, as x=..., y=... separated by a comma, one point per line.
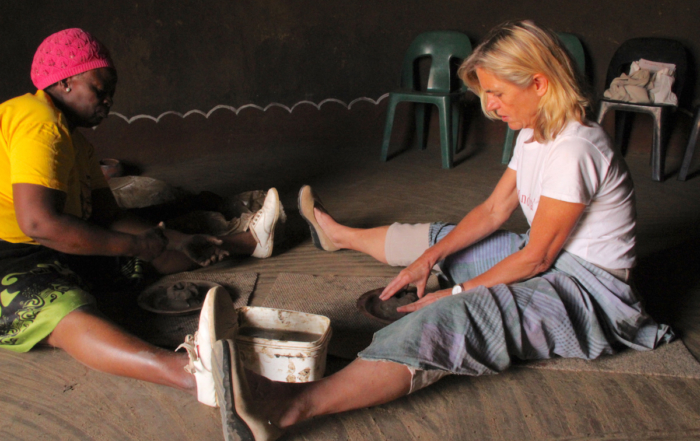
x=239, y=243
x=103, y=346
x=345, y=390
x=369, y=241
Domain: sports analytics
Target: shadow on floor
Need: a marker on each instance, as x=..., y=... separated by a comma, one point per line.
x=669, y=282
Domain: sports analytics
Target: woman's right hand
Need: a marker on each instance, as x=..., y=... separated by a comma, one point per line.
x=152, y=243
x=416, y=273
x=202, y=249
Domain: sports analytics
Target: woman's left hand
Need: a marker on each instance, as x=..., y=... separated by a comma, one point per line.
x=202, y=249
x=416, y=273
x=425, y=301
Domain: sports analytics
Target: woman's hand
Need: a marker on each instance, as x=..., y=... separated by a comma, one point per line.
x=152, y=243
x=476, y=225
x=425, y=301
x=416, y=273
x=202, y=249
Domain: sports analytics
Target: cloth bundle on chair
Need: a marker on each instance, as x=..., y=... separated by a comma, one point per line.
x=660, y=50
x=647, y=82
x=444, y=90
x=575, y=48
x=633, y=88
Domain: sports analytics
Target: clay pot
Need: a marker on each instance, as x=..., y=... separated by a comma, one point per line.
x=111, y=168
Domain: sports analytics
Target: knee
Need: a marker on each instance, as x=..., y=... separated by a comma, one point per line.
x=73, y=323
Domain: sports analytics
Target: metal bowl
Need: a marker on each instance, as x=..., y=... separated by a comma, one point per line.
x=183, y=297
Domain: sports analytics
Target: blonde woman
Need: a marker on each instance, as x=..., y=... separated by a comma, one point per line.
x=562, y=289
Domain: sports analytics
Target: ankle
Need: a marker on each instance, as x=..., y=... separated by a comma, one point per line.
x=182, y=379
x=247, y=244
x=289, y=406
x=291, y=415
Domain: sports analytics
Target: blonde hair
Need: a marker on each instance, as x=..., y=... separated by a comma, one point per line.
x=515, y=52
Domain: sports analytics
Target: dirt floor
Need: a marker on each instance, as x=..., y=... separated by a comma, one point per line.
x=47, y=395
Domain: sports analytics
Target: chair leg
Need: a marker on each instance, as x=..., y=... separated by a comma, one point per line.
x=446, y=133
x=601, y=112
x=422, y=112
x=456, y=117
x=390, y=111
x=690, y=148
x=658, y=152
x=620, y=121
x=623, y=122
x=508, y=146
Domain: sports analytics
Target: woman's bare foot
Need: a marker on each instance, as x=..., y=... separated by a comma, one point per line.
x=285, y=404
x=336, y=233
x=274, y=399
x=329, y=235
x=365, y=240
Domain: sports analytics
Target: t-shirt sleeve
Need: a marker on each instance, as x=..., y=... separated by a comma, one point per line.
x=573, y=171
x=41, y=154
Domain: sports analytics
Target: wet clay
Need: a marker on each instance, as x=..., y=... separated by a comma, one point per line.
x=179, y=296
x=279, y=334
x=385, y=311
x=183, y=297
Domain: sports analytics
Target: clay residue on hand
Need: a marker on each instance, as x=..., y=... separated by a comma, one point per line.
x=203, y=249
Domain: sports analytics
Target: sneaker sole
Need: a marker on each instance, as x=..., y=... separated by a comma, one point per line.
x=223, y=322
x=234, y=428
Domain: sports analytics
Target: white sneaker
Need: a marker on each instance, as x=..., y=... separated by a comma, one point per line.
x=218, y=320
x=262, y=227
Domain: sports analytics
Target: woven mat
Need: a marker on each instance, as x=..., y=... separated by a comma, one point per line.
x=169, y=331
x=671, y=360
x=334, y=297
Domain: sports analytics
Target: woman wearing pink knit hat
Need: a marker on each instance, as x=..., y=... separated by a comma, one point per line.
x=62, y=232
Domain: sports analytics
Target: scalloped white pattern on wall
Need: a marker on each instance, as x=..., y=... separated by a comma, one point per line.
x=249, y=106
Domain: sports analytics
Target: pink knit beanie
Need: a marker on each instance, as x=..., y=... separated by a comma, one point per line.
x=67, y=53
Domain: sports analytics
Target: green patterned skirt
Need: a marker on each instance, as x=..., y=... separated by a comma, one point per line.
x=40, y=286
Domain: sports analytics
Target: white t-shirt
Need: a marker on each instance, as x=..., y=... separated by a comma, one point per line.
x=580, y=166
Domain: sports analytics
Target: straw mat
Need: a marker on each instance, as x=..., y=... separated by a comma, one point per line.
x=334, y=297
x=671, y=360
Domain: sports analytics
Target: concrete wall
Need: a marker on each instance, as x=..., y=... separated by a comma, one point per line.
x=182, y=55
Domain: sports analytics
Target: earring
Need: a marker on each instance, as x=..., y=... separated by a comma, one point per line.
x=68, y=89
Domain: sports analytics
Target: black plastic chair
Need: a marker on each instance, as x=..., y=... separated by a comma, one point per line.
x=690, y=148
x=652, y=49
x=444, y=90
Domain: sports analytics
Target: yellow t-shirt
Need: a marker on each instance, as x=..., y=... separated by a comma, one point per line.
x=36, y=147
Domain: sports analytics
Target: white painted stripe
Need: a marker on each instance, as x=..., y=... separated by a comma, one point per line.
x=249, y=106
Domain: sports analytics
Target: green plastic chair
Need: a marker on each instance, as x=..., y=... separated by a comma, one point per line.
x=573, y=45
x=443, y=88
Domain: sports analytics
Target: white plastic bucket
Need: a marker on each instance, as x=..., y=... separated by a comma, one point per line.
x=267, y=343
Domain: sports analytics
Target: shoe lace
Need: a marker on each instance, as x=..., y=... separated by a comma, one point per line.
x=190, y=345
x=256, y=218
